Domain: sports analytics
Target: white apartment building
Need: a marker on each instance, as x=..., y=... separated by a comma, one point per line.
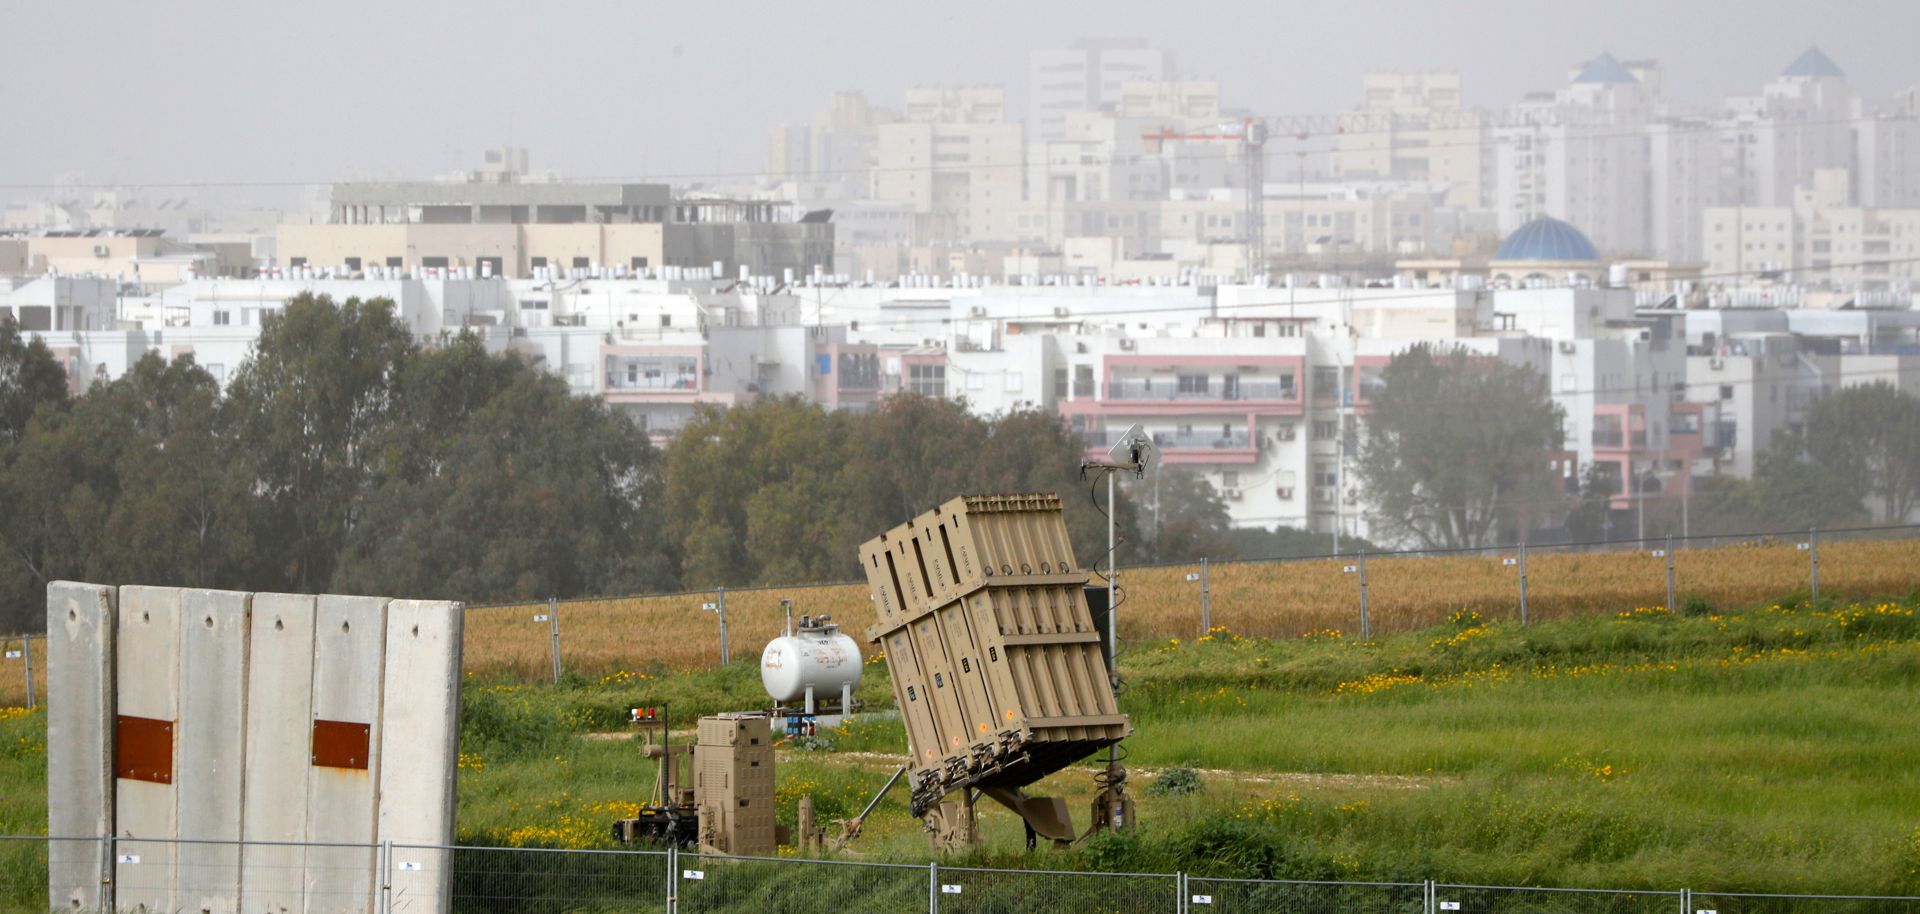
x=955, y=155
x=1822, y=240
x=1415, y=127
x=1579, y=156
x=1801, y=122
x=1090, y=76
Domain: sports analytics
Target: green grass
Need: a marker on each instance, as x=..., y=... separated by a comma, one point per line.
x=1771, y=749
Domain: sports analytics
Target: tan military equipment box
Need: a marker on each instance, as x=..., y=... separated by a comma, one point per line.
x=996, y=664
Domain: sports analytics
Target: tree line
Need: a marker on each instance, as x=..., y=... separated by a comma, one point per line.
x=344, y=456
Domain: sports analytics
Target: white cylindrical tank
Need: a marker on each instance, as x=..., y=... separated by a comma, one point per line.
x=819, y=657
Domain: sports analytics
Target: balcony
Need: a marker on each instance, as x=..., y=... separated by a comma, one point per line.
x=1195, y=440
x=1615, y=438
x=680, y=383
x=1143, y=389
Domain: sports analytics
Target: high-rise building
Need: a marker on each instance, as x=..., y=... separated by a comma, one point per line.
x=1413, y=127
x=1090, y=76
x=955, y=154
x=1579, y=156
x=1802, y=121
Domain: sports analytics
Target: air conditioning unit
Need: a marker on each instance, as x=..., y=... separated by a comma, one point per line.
x=1060, y=312
x=1323, y=494
x=1285, y=493
x=1646, y=335
x=1126, y=343
x=1353, y=496
x=1567, y=347
x=1716, y=363
x=977, y=311
x=1231, y=494
x=101, y=250
x=1285, y=433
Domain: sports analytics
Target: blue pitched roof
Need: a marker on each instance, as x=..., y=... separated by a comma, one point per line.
x=1604, y=69
x=1812, y=62
x=1546, y=238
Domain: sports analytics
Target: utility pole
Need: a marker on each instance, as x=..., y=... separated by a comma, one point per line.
x=1133, y=453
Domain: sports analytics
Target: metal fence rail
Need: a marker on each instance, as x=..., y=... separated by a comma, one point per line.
x=1358, y=593
x=187, y=875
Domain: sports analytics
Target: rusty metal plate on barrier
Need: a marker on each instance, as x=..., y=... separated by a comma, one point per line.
x=143, y=749
x=338, y=744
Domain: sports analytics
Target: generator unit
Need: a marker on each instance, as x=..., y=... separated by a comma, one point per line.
x=729, y=807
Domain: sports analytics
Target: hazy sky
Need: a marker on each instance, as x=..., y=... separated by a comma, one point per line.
x=224, y=90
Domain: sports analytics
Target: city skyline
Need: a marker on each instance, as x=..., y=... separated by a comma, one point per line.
x=696, y=107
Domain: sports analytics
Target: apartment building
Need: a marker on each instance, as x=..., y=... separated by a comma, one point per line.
x=1581, y=156
x=1090, y=76
x=954, y=155
x=1415, y=127
x=1800, y=123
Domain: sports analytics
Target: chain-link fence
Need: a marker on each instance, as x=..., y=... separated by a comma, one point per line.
x=1354, y=594
x=40, y=874
x=1287, y=896
x=710, y=884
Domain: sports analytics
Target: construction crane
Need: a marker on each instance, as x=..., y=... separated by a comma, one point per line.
x=1251, y=134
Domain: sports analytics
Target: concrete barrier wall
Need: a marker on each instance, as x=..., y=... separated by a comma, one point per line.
x=279, y=726
x=212, y=753
x=182, y=721
x=80, y=712
x=349, y=650
x=147, y=652
x=417, y=770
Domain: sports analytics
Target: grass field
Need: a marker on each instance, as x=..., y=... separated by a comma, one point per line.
x=1766, y=748
x=1265, y=599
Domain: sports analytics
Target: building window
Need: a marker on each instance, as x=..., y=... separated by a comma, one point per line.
x=1193, y=383
x=353, y=264
x=1325, y=429
x=396, y=262
x=927, y=380
x=637, y=263
x=1016, y=382
x=297, y=261
x=1059, y=383
x=222, y=318
x=435, y=262
x=1726, y=391
x=581, y=263
x=1230, y=479
x=1324, y=473
x=539, y=262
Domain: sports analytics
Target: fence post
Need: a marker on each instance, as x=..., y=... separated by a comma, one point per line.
x=726, y=650
x=673, y=877
x=111, y=848
x=26, y=654
x=1523, y=581
x=386, y=877
x=1427, y=902
x=553, y=629
x=1669, y=551
x=933, y=887
x=1365, y=627
x=1686, y=901
x=1206, y=602
x=1813, y=565
x=1180, y=898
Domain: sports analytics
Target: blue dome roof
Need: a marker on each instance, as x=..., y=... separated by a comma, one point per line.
x=1812, y=62
x=1546, y=238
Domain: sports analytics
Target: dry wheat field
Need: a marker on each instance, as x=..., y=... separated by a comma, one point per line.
x=1266, y=599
